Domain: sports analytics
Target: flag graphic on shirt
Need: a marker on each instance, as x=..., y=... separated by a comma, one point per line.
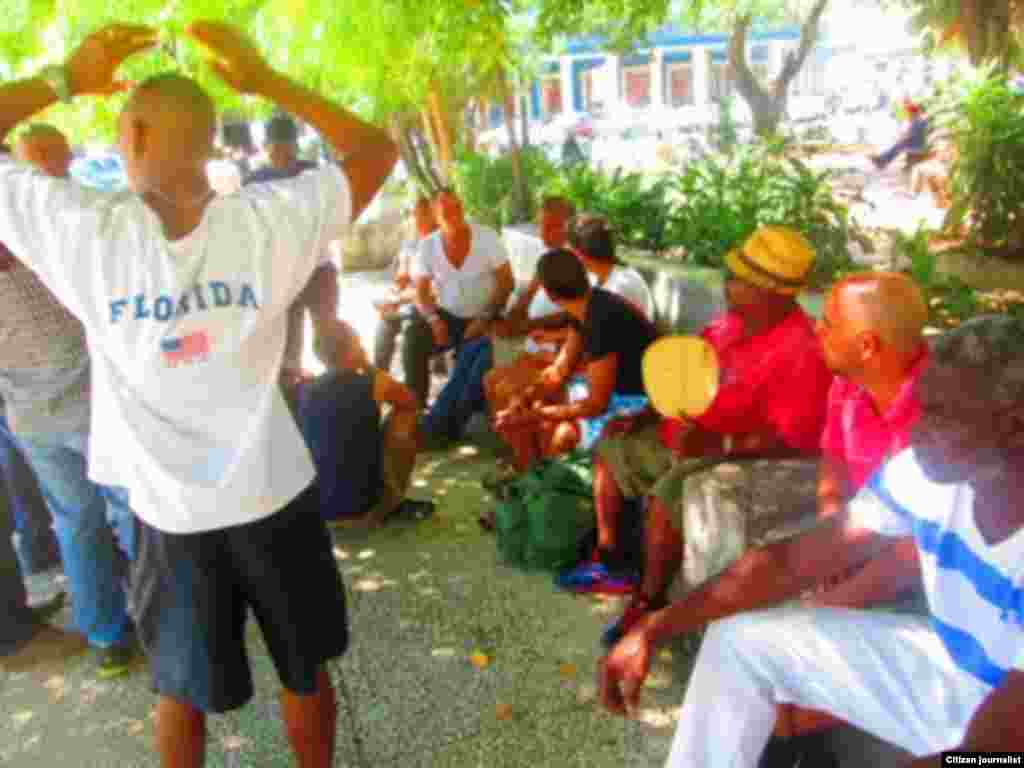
x=192, y=348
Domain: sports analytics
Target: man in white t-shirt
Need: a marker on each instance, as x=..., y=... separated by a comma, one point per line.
x=184, y=300
x=463, y=279
x=951, y=681
x=396, y=310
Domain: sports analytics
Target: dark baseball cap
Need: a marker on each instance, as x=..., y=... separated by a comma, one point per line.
x=281, y=129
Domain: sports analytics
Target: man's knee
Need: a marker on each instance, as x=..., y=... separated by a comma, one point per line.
x=402, y=424
x=604, y=475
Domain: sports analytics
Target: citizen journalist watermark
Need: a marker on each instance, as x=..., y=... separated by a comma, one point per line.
x=983, y=758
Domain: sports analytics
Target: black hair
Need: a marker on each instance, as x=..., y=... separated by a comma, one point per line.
x=592, y=236
x=281, y=129
x=562, y=275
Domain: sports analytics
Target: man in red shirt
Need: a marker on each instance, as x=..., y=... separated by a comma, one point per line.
x=770, y=404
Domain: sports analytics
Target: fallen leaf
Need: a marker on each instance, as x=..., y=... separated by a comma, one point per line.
x=586, y=693
x=479, y=660
x=567, y=670
x=503, y=711
x=135, y=727
x=22, y=717
x=54, y=682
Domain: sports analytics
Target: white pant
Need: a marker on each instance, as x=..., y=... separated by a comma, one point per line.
x=888, y=674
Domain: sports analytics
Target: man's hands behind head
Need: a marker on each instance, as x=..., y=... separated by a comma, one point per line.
x=235, y=59
x=92, y=65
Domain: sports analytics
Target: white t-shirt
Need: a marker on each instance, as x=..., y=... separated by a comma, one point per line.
x=975, y=590
x=186, y=337
x=466, y=291
x=541, y=306
x=630, y=285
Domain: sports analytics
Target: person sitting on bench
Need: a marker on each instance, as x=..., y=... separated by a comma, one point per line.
x=914, y=140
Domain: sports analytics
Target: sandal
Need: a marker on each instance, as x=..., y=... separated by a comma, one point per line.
x=486, y=520
x=414, y=510
x=499, y=478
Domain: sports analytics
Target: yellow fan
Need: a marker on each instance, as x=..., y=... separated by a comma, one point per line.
x=681, y=376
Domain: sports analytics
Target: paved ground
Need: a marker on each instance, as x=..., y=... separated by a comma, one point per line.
x=456, y=661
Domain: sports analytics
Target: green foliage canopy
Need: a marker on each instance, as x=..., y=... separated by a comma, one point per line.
x=378, y=57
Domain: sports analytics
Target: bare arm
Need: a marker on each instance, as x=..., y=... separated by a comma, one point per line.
x=833, y=487
x=90, y=69
x=887, y=577
x=556, y=374
x=760, y=578
x=601, y=375
x=505, y=283
x=387, y=390
x=320, y=295
x=425, y=301
x=517, y=316
x=369, y=155
x=766, y=576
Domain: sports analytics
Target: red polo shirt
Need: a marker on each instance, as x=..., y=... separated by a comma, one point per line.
x=776, y=381
x=860, y=437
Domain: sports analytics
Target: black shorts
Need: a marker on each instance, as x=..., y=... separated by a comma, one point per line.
x=190, y=594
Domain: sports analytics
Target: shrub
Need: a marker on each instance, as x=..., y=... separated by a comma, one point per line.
x=635, y=204
x=485, y=184
x=722, y=200
x=950, y=299
x=986, y=119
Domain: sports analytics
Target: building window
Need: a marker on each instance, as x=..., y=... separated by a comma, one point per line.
x=680, y=84
x=636, y=86
x=589, y=91
x=720, y=78
x=551, y=96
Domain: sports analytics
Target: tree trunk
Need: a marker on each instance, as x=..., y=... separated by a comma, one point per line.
x=471, y=128
x=445, y=141
x=768, y=104
x=525, y=113
x=425, y=180
x=520, y=193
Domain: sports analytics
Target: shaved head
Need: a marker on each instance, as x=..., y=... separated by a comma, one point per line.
x=888, y=303
x=45, y=147
x=174, y=95
x=166, y=133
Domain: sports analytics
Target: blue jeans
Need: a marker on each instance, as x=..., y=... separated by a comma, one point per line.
x=463, y=395
x=418, y=347
x=16, y=626
x=37, y=546
x=84, y=515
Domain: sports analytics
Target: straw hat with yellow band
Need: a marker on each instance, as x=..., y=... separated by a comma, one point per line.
x=777, y=259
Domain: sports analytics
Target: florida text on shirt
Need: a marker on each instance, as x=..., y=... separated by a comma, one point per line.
x=194, y=346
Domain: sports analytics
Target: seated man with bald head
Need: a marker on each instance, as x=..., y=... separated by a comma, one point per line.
x=871, y=334
x=952, y=680
x=184, y=298
x=871, y=338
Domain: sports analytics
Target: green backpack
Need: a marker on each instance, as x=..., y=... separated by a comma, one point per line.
x=545, y=514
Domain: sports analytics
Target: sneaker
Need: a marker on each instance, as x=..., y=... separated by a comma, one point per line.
x=117, y=660
x=46, y=610
x=591, y=578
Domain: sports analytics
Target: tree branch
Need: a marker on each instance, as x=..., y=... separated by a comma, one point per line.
x=808, y=36
x=746, y=83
